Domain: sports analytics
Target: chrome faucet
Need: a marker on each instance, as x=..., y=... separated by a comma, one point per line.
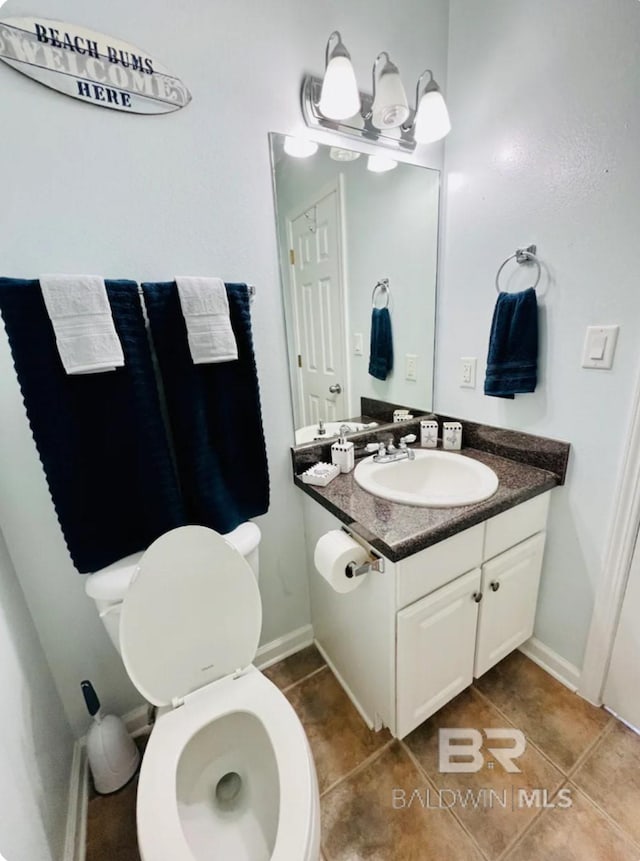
x=390, y=454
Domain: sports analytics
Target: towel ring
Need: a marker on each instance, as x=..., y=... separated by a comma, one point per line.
x=383, y=286
x=522, y=255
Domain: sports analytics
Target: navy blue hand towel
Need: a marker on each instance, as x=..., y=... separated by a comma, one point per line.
x=512, y=359
x=100, y=437
x=214, y=414
x=381, y=348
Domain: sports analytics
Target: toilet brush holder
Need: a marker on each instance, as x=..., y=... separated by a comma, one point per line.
x=112, y=753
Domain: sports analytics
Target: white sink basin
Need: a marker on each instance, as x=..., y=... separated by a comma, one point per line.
x=437, y=479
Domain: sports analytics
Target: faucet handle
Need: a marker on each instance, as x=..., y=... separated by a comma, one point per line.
x=409, y=438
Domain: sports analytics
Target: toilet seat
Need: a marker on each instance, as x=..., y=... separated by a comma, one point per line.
x=160, y=831
x=191, y=615
x=189, y=632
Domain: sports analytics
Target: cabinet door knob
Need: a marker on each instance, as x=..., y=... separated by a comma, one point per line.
x=477, y=597
x=495, y=585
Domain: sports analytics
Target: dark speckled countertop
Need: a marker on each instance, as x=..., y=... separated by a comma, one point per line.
x=398, y=531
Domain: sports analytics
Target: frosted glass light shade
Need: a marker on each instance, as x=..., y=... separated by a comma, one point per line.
x=299, y=147
x=432, y=121
x=339, y=97
x=390, y=107
x=380, y=163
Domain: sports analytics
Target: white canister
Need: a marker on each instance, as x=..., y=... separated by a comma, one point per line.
x=452, y=435
x=428, y=433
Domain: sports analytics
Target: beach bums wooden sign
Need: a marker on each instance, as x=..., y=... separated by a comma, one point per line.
x=90, y=66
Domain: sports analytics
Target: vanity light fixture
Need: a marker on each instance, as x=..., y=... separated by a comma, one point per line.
x=299, y=147
x=431, y=121
x=380, y=163
x=333, y=103
x=339, y=98
x=390, y=107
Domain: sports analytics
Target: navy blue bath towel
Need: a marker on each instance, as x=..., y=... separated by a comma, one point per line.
x=381, y=348
x=214, y=414
x=100, y=437
x=512, y=360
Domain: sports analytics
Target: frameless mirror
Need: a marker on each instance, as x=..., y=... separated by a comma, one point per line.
x=354, y=239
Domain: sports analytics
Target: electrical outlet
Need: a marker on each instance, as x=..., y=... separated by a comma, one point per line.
x=411, y=367
x=358, y=348
x=468, y=372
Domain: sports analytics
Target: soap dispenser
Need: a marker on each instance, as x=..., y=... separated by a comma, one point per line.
x=343, y=451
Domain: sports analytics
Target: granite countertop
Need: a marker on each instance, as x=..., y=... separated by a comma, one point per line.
x=398, y=531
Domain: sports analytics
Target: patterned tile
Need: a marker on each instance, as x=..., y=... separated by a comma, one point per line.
x=490, y=802
x=339, y=738
x=360, y=819
x=611, y=776
x=576, y=833
x=294, y=668
x=561, y=723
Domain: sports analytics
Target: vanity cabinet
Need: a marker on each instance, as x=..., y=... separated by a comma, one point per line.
x=408, y=640
x=436, y=640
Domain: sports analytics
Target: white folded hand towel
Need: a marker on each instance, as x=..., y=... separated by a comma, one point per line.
x=205, y=308
x=81, y=316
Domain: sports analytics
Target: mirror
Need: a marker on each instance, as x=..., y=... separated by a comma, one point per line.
x=342, y=230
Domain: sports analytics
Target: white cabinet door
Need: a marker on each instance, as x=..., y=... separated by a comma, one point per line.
x=510, y=592
x=435, y=650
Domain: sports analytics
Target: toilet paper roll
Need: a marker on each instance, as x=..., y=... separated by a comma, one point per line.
x=334, y=551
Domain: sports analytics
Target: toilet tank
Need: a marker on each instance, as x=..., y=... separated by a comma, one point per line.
x=109, y=586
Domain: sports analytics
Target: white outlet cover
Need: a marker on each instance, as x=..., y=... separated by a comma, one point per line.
x=468, y=366
x=411, y=367
x=599, y=347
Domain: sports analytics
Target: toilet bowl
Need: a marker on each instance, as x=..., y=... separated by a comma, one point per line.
x=228, y=772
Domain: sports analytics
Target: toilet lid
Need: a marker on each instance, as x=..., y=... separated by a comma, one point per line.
x=191, y=615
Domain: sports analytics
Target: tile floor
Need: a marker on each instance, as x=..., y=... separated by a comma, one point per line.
x=574, y=751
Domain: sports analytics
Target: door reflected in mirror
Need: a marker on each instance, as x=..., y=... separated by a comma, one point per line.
x=358, y=263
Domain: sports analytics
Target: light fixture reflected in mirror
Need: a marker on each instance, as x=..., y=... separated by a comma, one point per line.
x=380, y=163
x=299, y=147
x=339, y=98
x=337, y=153
x=334, y=103
x=390, y=107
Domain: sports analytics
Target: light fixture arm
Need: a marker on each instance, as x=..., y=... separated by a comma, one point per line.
x=373, y=70
x=339, y=49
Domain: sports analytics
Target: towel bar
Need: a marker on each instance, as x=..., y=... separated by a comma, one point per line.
x=383, y=286
x=522, y=255
x=250, y=287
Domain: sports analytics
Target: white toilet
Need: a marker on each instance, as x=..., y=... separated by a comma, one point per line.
x=228, y=772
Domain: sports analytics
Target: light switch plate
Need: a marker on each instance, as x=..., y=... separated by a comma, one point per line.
x=468, y=372
x=358, y=348
x=599, y=347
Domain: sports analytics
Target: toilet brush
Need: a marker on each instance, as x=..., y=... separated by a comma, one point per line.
x=112, y=753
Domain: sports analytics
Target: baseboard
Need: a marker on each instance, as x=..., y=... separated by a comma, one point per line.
x=283, y=647
x=137, y=721
x=558, y=667
x=365, y=717
x=76, y=833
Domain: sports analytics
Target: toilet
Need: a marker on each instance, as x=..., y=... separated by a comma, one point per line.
x=228, y=772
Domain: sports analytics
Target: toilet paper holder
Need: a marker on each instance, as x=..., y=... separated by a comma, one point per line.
x=376, y=563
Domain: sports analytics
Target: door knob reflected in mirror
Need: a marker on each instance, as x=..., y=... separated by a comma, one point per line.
x=335, y=389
